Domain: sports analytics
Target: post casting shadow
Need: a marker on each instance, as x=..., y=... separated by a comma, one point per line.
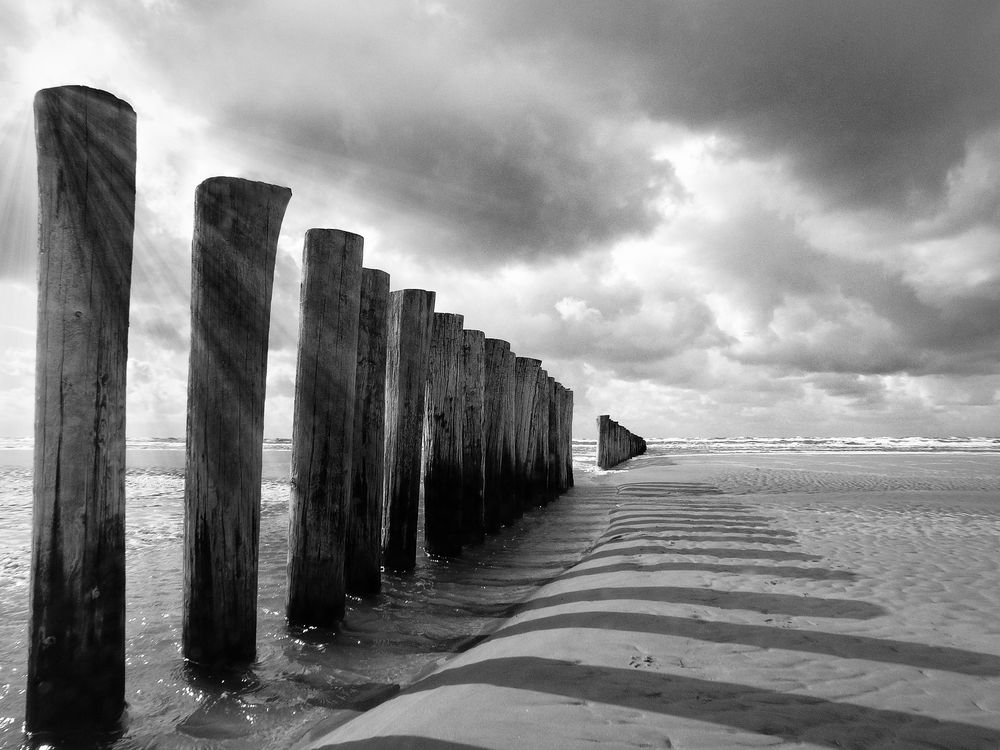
x=797, y=718
x=665, y=507
x=777, y=571
x=728, y=529
x=794, y=605
x=398, y=742
x=842, y=646
x=732, y=554
x=670, y=488
x=649, y=534
x=724, y=518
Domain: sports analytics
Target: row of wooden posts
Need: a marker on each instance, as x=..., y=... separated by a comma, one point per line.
x=615, y=443
x=394, y=404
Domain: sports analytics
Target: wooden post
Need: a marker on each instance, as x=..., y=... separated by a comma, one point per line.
x=85, y=140
x=498, y=434
x=323, y=426
x=603, y=440
x=552, y=443
x=363, y=547
x=615, y=443
x=569, y=438
x=559, y=396
x=442, y=487
x=525, y=386
x=409, y=327
x=236, y=229
x=473, y=470
x=539, y=442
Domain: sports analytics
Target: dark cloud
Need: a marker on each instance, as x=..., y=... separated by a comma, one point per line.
x=874, y=101
x=518, y=186
x=862, y=391
x=455, y=140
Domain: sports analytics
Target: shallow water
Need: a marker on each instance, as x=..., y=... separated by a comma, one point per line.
x=303, y=677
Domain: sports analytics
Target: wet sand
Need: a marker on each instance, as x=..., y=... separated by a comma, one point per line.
x=743, y=601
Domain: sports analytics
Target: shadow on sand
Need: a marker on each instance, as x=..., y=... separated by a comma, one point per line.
x=796, y=718
x=723, y=552
x=688, y=519
x=786, y=604
x=774, y=571
x=660, y=537
x=398, y=742
x=720, y=528
x=918, y=655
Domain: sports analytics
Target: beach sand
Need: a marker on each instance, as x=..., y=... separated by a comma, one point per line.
x=742, y=601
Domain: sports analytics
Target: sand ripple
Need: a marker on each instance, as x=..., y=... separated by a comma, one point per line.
x=746, y=602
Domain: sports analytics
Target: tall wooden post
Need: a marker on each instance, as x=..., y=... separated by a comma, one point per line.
x=539, y=441
x=560, y=458
x=473, y=469
x=442, y=486
x=525, y=388
x=569, y=437
x=552, y=443
x=323, y=426
x=236, y=229
x=85, y=140
x=409, y=327
x=363, y=547
x=498, y=434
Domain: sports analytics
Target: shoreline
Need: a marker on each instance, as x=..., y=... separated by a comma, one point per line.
x=711, y=614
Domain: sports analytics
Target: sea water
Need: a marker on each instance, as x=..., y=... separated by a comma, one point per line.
x=301, y=676
x=304, y=676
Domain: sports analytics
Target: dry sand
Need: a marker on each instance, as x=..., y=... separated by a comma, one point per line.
x=861, y=610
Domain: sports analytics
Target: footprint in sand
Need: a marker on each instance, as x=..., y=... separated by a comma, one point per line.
x=642, y=662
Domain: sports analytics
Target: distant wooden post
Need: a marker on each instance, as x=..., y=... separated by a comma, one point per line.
x=498, y=434
x=363, y=546
x=603, y=441
x=569, y=437
x=526, y=386
x=85, y=140
x=442, y=487
x=409, y=328
x=323, y=426
x=473, y=469
x=236, y=229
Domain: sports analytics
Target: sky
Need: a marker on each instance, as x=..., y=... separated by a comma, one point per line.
x=705, y=218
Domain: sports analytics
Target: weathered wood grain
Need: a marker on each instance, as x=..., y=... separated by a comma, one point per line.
x=538, y=441
x=526, y=372
x=363, y=549
x=323, y=426
x=86, y=145
x=236, y=229
x=442, y=452
x=410, y=323
x=473, y=468
x=498, y=434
